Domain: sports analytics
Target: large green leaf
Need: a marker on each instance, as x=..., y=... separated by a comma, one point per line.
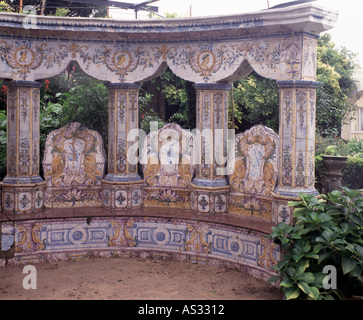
x=304, y=287
x=286, y=283
x=308, y=277
x=348, y=264
x=324, y=256
x=314, y=293
x=292, y=293
x=273, y=279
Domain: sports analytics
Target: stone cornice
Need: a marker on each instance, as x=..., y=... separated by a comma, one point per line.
x=308, y=18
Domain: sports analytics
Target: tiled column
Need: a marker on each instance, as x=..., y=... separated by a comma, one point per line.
x=122, y=185
x=210, y=185
x=297, y=144
x=22, y=188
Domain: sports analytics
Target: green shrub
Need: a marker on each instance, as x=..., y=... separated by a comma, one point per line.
x=353, y=172
x=5, y=7
x=146, y=114
x=328, y=231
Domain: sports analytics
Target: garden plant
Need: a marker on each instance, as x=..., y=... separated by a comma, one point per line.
x=327, y=232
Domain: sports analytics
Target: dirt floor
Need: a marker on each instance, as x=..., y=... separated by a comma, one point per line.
x=132, y=279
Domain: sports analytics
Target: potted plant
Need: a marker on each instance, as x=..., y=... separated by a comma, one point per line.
x=333, y=165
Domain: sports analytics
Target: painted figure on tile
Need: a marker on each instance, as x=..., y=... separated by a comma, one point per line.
x=74, y=150
x=73, y=156
x=168, y=157
x=256, y=164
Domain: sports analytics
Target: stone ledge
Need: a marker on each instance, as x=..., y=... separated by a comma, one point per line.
x=168, y=213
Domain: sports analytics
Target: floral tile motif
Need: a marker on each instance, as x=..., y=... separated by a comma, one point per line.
x=287, y=167
x=203, y=203
x=220, y=203
x=283, y=213
x=136, y=198
x=8, y=201
x=38, y=199
x=121, y=199
x=106, y=197
x=251, y=205
x=167, y=197
x=24, y=201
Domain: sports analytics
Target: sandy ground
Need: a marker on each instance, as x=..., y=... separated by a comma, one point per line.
x=132, y=279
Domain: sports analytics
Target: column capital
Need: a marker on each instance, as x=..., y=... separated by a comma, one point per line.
x=125, y=86
x=213, y=86
x=298, y=84
x=24, y=84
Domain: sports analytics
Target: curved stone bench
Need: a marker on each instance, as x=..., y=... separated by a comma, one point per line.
x=160, y=233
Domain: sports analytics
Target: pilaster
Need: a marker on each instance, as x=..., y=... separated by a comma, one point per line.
x=22, y=188
x=210, y=185
x=122, y=185
x=297, y=143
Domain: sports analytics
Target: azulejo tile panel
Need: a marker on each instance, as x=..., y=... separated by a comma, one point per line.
x=251, y=205
x=22, y=198
x=234, y=246
x=256, y=161
x=168, y=160
x=43, y=240
x=61, y=236
x=7, y=231
x=275, y=57
x=209, y=200
x=74, y=164
x=167, y=197
x=74, y=155
x=255, y=172
x=169, y=157
x=122, y=195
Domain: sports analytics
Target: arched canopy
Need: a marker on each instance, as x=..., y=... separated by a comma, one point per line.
x=278, y=44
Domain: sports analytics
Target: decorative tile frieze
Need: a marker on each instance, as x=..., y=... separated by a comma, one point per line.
x=176, y=239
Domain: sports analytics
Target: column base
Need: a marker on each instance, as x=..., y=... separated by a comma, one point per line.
x=209, y=200
x=22, y=180
x=210, y=183
x=22, y=198
x=122, y=195
x=294, y=192
x=119, y=178
x=281, y=211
